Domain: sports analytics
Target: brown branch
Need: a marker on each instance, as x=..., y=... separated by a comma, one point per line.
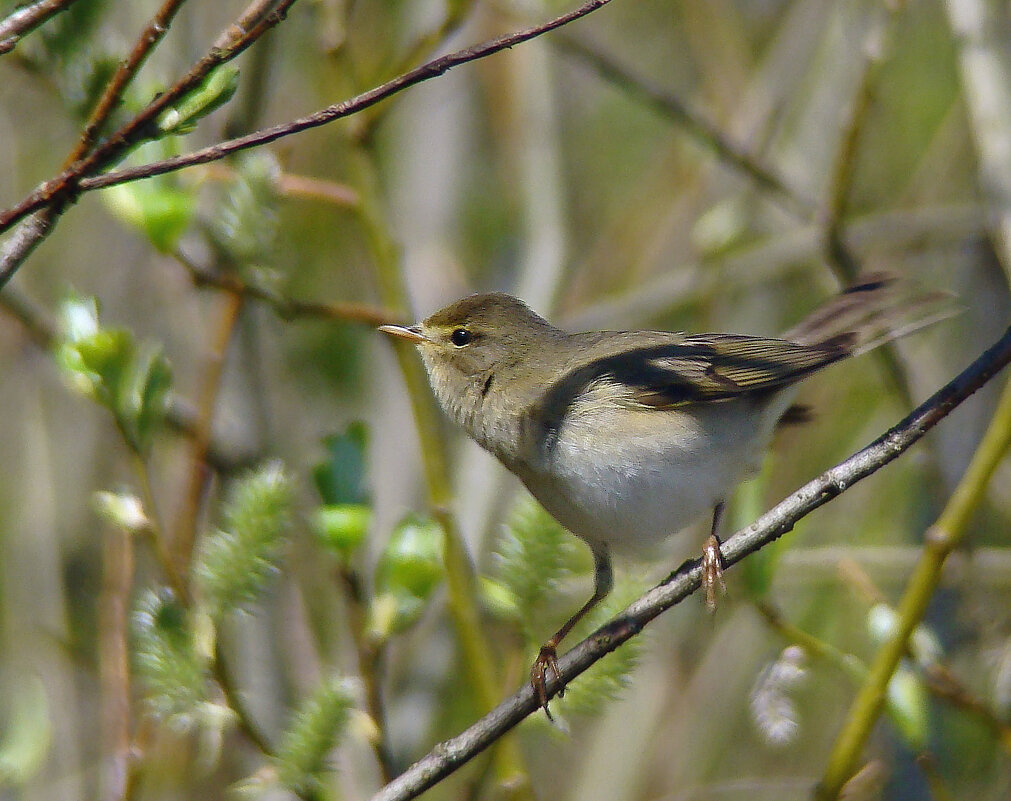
x=113, y=92
x=451, y=754
x=289, y=308
x=26, y=19
x=371, y=656
x=231, y=43
x=200, y=443
x=114, y=616
x=427, y=71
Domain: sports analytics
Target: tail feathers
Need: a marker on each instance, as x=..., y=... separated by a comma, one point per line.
x=878, y=309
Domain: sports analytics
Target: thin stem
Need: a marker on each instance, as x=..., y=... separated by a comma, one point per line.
x=427, y=71
x=234, y=700
x=370, y=666
x=114, y=611
x=694, y=124
x=186, y=525
x=461, y=579
x=849, y=664
x=155, y=531
x=289, y=308
x=940, y=540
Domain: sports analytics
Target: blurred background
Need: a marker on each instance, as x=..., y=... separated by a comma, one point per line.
x=231, y=519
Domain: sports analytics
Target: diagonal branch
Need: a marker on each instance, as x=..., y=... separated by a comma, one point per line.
x=113, y=92
x=53, y=197
x=451, y=754
x=231, y=43
x=346, y=108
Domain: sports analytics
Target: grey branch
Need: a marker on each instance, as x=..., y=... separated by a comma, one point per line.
x=451, y=754
x=26, y=19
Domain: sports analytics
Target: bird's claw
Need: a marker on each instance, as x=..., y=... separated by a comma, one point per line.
x=545, y=663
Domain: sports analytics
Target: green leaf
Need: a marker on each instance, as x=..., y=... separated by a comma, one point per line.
x=341, y=478
x=161, y=210
x=106, y=365
x=233, y=565
x=409, y=570
x=212, y=93
x=342, y=527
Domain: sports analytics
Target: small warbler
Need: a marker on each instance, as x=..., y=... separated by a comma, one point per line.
x=626, y=437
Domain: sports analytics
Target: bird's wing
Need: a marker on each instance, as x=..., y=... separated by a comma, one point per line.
x=713, y=367
x=670, y=371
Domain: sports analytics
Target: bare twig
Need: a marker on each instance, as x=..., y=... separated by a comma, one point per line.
x=427, y=71
x=691, y=122
x=186, y=522
x=114, y=606
x=65, y=187
x=450, y=755
x=26, y=19
x=371, y=657
x=113, y=92
x=289, y=308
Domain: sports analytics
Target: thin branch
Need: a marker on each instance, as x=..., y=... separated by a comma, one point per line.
x=691, y=122
x=289, y=308
x=26, y=19
x=26, y=237
x=113, y=92
x=371, y=657
x=114, y=655
x=451, y=754
x=233, y=697
x=427, y=71
x=186, y=521
x=461, y=580
x=233, y=41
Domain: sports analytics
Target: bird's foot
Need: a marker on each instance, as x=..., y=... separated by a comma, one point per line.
x=712, y=571
x=545, y=663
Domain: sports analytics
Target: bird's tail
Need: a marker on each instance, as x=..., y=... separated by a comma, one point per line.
x=877, y=309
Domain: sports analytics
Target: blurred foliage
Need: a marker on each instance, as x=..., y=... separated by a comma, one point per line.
x=106, y=365
x=543, y=170
x=233, y=564
x=317, y=724
x=168, y=661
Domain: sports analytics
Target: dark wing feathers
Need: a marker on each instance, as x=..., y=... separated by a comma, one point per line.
x=702, y=368
x=715, y=367
x=705, y=367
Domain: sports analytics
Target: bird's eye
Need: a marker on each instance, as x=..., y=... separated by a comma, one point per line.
x=460, y=337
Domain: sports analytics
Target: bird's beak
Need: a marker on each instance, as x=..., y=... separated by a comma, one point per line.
x=411, y=334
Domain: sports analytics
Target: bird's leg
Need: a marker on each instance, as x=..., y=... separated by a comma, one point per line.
x=547, y=660
x=712, y=560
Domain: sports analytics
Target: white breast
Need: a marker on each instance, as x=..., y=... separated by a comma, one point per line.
x=629, y=478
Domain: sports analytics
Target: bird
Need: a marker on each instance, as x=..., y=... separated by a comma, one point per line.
x=627, y=437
